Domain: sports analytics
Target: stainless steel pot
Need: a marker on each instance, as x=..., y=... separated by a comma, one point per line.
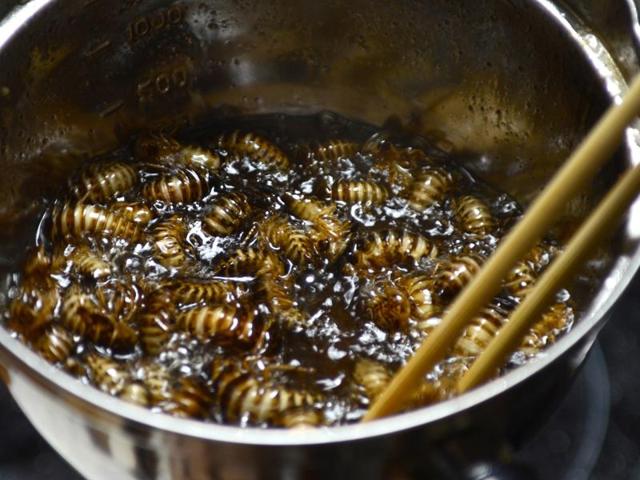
x=520, y=81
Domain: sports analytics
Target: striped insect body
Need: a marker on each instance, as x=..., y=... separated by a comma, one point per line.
x=227, y=214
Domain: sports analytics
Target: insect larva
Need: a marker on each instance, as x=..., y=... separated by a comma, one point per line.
x=120, y=298
x=422, y=291
x=334, y=149
x=480, y=331
x=366, y=192
x=254, y=147
x=474, y=215
x=89, y=264
x=155, y=325
x=303, y=417
x=165, y=150
x=190, y=398
x=108, y=375
x=544, y=332
x=168, y=242
x=221, y=322
x=227, y=214
x=389, y=307
x=372, y=376
x=540, y=256
x=185, y=185
x=55, y=344
x=157, y=380
x=242, y=397
x=458, y=273
x=389, y=247
x=214, y=291
x=280, y=301
x=251, y=261
x=82, y=315
x=135, y=393
x=294, y=242
x=328, y=227
x=137, y=212
x=37, y=263
x=99, y=182
x=81, y=220
x=520, y=279
x=33, y=309
x=428, y=188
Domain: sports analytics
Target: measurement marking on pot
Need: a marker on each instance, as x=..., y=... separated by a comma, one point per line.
x=155, y=22
x=111, y=109
x=163, y=83
x=97, y=48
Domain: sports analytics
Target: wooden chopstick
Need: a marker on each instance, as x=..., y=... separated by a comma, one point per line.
x=582, y=166
x=509, y=338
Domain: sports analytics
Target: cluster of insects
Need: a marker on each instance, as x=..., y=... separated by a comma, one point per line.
x=264, y=279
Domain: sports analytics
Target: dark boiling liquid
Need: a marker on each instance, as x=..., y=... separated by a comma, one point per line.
x=319, y=354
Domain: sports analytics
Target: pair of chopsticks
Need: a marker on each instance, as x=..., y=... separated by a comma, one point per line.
x=581, y=167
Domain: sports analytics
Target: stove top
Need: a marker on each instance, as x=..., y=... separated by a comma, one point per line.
x=594, y=435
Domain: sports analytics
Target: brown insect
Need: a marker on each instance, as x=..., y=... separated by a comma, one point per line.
x=474, y=215
x=84, y=316
x=168, y=242
x=372, y=376
x=226, y=322
x=120, y=298
x=190, y=398
x=422, y=291
x=37, y=264
x=33, y=309
x=55, y=345
x=303, y=417
x=185, y=185
x=540, y=256
x=138, y=212
x=89, y=264
x=429, y=187
x=108, y=375
x=155, y=326
x=332, y=150
x=243, y=397
x=544, y=332
x=82, y=220
x=295, y=243
x=388, y=307
x=480, y=331
x=103, y=181
x=279, y=300
x=167, y=151
x=254, y=147
x=366, y=192
x=157, y=380
x=520, y=279
x=251, y=261
x=328, y=227
x=458, y=272
x=389, y=247
x=213, y=291
x=227, y=214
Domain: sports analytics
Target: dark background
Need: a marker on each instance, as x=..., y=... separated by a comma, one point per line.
x=594, y=435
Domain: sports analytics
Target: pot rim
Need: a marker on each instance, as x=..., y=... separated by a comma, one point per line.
x=100, y=404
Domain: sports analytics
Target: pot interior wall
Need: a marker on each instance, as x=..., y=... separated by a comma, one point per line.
x=499, y=79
